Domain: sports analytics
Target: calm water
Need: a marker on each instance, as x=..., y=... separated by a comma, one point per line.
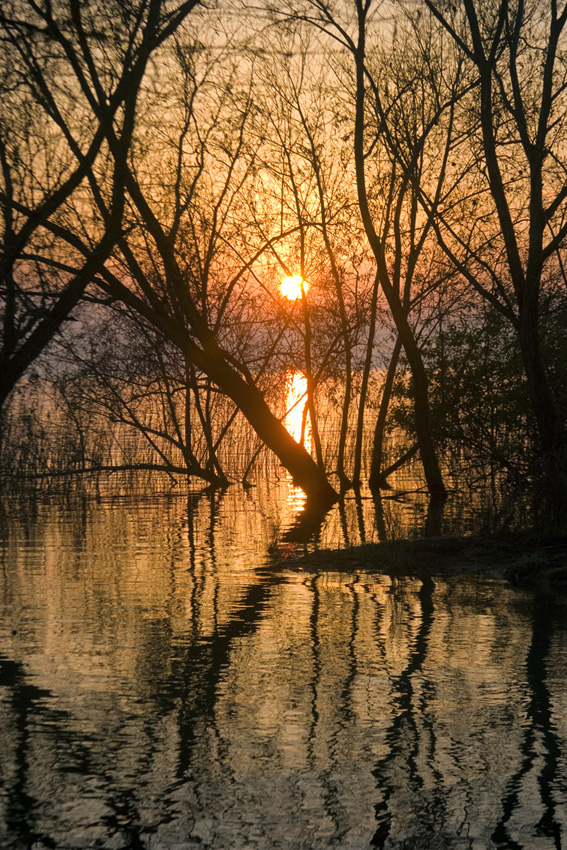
x=162, y=685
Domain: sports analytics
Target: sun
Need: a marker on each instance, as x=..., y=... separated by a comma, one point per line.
x=291, y=287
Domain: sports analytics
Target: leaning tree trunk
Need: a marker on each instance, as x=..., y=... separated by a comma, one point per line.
x=250, y=401
x=208, y=356
x=210, y=359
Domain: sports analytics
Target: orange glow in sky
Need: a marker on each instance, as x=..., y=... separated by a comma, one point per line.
x=291, y=287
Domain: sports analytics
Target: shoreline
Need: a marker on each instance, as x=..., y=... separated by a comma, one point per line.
x=520, y=558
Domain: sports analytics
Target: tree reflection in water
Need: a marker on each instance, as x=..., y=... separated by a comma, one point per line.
x=165, y=683
x=400, y=765
x=540, y=747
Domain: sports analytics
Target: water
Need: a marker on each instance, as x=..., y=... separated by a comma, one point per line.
x=164, y=685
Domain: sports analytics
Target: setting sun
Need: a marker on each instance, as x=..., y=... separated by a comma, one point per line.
x=291, y=287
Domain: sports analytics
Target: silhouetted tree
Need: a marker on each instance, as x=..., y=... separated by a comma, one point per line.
x=178, y=260
x=506, y=240
x=70, y=75
x=385, y=187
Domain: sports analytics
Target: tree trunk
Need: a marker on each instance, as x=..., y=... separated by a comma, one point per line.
x=248, y=398
x=552, y=434
x=376, y=480
x=212, y=361
x=357, y=470
x=550, y=492
x=427, y=450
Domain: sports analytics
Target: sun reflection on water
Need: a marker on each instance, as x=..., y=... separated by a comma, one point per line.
x=297, y=419
x=298, y=423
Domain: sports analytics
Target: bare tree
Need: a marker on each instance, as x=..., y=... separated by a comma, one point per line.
x=515, y=123
x=414, y=106
x=124, y=376
x=70, y=74
x=307, y=161
x=396, y=229
x=180, y=163
x=187, y=263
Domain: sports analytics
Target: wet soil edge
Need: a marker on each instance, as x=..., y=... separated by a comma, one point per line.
x=520, y=558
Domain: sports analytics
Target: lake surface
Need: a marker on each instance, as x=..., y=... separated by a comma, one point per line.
x=169, y=679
